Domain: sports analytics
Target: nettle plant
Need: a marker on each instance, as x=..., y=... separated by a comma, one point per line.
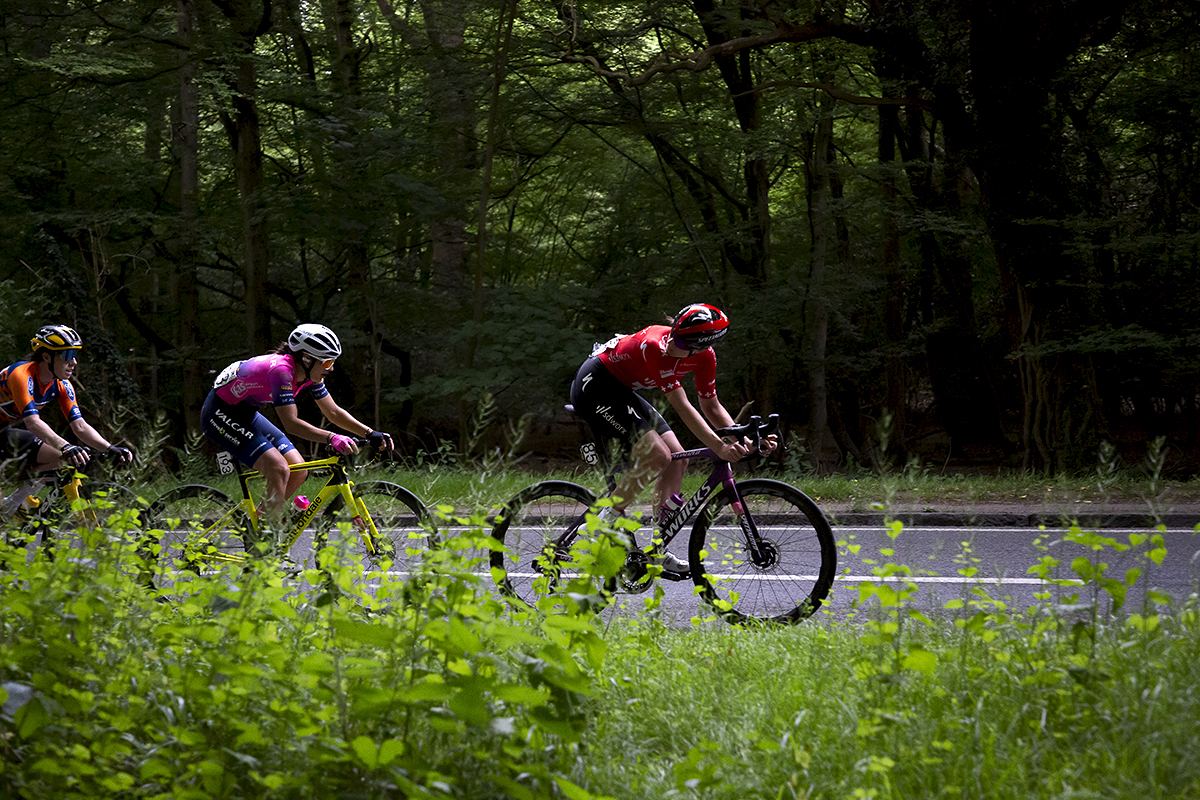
x=249, y=684
x=926, y=691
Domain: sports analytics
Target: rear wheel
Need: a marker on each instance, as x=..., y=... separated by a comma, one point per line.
x=544, y=548
x=786, y=577
x=196, y=527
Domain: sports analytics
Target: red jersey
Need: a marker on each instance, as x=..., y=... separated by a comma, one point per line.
x=21, y=395
x=640, y=361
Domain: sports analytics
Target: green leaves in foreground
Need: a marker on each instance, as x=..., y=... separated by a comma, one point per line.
x=241, y=683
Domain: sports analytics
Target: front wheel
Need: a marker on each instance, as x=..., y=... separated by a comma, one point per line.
x=786, y=577
x=406, y=531
x=543, y=548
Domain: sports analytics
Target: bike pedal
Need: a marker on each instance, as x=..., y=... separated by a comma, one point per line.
x=676, y=576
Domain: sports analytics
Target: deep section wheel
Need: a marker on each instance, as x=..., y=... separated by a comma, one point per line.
x=785, y=575
x=544, y=548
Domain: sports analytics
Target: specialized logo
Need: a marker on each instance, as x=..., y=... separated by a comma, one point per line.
x=586, y=380
x=632, y=413
x=605, y=413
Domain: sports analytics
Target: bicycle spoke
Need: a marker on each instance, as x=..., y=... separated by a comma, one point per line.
x=790, y=574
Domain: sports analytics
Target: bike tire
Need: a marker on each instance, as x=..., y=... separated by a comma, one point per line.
x=787, y=587
x=406, y=532
x=526, y=563
x=179, y=529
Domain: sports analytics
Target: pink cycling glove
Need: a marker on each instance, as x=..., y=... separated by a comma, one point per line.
x=341, y=444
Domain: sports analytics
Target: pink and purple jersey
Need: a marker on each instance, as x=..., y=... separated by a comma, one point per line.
x=263, y=381
x=640, y=361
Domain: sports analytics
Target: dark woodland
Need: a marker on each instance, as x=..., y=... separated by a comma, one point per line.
x=960, y=233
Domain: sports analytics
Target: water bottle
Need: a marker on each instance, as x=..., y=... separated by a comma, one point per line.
x=667, y=510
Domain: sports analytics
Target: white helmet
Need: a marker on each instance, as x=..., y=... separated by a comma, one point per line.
x=316, y=341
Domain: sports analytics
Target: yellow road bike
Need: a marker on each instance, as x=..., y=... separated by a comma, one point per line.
x=199, y=528
x=64, y=502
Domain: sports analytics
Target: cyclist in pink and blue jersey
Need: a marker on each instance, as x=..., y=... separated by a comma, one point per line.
x=231, y=418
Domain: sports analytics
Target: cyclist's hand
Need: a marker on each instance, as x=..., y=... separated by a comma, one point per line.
x=122, y=455
x=342, y=444
x=732, y=451
x=767, y=444
x=75, y=455
x=380, y=440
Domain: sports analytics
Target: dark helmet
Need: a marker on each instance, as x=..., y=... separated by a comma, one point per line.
x=698, y=326
x=55, y=337
x=316, y=341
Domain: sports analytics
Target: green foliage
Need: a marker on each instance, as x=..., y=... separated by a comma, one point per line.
x=355, y=682
x=235, y=685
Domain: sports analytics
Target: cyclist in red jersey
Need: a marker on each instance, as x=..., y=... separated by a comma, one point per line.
x=658, y=357
x=27, y=387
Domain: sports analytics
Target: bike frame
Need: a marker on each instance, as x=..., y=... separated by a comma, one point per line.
x=339, y=483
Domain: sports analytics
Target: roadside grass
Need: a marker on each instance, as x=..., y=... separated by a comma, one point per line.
x=250, y=683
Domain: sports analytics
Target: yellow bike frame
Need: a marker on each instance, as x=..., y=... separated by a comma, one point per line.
x=339, y=483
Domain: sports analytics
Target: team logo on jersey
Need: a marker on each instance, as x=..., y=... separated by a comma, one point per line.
x=239, y=389
x=605, y=413
x=31, y=386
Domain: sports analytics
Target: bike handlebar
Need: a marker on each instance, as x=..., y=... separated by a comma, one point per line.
x=754, y=430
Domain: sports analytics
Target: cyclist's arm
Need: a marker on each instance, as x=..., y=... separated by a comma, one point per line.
x=719, y=417
x=88, y=435
x=294, y=426
x=38, y=427
x=715, y=413
x=697, y=425
x=341, y=417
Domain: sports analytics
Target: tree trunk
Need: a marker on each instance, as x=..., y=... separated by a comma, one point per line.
x=187, y=144
x=243, y=128
x=816, y=309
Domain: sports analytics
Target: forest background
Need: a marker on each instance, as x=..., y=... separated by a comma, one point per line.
x=959, y=231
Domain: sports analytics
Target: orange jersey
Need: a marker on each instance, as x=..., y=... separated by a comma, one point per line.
x=22, y=395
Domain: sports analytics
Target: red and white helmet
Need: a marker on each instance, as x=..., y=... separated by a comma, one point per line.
x=698, y=326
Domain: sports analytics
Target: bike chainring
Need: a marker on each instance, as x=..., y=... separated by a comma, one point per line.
x=634, y=578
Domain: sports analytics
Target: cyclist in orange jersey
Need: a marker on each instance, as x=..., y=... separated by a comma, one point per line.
x=27, y=387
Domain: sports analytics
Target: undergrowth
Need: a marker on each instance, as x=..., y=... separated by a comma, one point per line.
x=250, y=683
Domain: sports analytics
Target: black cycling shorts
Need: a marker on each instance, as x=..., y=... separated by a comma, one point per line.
x=614, y=412
x=19, y=447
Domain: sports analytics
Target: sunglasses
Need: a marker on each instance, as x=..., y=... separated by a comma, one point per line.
x=68, y=355
x=328, y=363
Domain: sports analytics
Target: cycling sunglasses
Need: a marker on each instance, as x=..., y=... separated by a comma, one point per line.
x=328, y=363
x=68, y=355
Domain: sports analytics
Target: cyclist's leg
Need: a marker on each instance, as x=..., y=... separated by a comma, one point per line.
x=618, y=414
x=30, y=456
x=670, y=481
